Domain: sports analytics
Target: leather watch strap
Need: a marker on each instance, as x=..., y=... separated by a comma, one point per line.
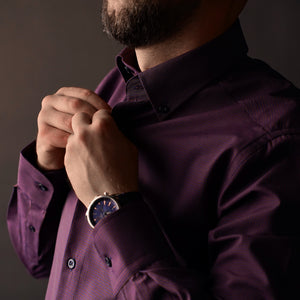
x=125, y=198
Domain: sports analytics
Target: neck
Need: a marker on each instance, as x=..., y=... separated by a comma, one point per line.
x=208, y=23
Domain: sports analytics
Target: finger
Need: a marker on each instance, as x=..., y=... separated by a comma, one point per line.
x=101, y=114
x=103, y=122
x=57, y=119
x=54, y=137
x=85, y=95
x=68, y=104
x=79, y=121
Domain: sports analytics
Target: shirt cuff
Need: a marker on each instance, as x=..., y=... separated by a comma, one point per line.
x=33, y=182
x=129, y=241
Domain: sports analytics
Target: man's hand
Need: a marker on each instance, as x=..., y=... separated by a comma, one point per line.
x=99, y=158
x=54, y=123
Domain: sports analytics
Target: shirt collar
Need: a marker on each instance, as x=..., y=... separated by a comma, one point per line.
x=171, y=83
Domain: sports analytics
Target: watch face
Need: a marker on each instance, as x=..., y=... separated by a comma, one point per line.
x=105, y=206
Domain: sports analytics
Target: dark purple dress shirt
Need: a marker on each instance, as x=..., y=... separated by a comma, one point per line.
x=219, y=138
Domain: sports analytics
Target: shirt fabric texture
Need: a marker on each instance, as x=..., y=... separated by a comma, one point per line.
x=218, y=140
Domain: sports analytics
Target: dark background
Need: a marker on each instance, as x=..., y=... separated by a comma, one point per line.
x=48, y=44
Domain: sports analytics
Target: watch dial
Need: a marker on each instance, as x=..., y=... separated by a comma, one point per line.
x=103, y=208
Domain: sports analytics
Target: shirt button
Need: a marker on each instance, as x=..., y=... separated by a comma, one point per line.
x=41, y=187
x=32, y=228
x=163, y=109
x=71, y=263
x=128, y=71
x=108, y=261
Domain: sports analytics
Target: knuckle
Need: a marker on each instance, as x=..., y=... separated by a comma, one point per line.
x=61, y=90
x=45, y=101
x=86, y=93
x=75, y=104
x=103, y=123
x=102, y=114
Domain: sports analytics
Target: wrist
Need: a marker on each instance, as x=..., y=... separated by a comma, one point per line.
x=104, y=205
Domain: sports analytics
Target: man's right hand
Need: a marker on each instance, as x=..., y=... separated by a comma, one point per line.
x=54, y=123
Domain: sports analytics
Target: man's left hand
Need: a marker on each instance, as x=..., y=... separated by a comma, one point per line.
x=99, y=158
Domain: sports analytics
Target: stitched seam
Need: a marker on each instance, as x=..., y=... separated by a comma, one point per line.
x=242, y=105
x=286, y=136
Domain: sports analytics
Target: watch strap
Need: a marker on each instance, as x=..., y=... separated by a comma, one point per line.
x=125, y=198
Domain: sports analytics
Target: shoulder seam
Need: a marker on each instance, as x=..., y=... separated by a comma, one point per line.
x=267, y=132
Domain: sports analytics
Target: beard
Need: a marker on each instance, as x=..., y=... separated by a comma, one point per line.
x=141, y=23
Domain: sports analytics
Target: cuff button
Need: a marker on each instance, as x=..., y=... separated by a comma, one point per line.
x=32, y=228
x=71, y=263
x=108, y=261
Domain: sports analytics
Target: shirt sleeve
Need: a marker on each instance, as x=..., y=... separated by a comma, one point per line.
x=34, y=213
x=253, y=249
x=255, y=246
x=140, y=261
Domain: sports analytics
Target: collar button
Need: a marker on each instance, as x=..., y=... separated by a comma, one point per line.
x=127, y=70
x=41, y=187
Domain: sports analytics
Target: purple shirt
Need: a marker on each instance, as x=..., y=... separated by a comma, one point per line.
x=219, y=168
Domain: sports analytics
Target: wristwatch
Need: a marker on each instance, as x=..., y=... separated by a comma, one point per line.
x=104, y=205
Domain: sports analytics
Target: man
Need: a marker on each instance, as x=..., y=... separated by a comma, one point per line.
x=184, y=160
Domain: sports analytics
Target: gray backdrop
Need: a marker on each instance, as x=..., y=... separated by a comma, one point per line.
x=49, y=44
